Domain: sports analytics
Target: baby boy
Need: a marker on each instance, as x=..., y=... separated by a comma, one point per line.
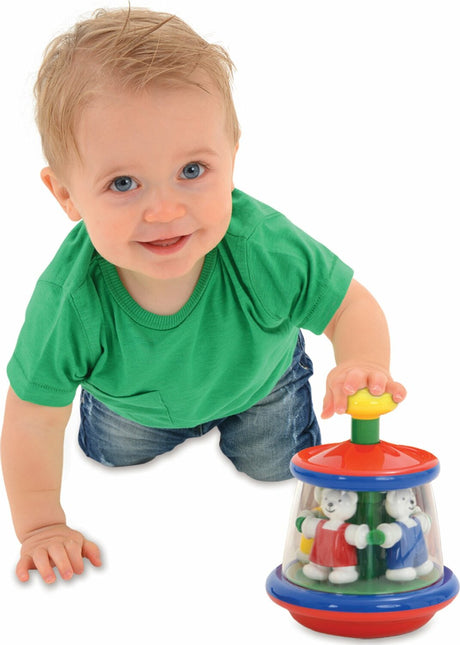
x=176, y=301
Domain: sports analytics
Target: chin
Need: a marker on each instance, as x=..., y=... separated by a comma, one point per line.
x=174, y=272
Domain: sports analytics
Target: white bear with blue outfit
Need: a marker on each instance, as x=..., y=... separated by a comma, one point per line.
x=407, y=554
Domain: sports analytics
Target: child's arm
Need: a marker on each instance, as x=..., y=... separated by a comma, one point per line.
x=32, y=449
x=359, y=334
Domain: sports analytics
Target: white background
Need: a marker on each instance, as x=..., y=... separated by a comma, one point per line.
x=350, y=119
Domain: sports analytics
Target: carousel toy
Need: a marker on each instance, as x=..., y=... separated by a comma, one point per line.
x=363, y=554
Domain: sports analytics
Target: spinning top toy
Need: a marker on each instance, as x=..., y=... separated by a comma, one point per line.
x=363, y=554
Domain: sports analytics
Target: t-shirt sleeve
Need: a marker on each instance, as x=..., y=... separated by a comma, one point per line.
x=53, y=353
x=294, y=276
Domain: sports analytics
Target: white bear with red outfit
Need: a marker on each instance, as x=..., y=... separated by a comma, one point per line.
x=333, y=556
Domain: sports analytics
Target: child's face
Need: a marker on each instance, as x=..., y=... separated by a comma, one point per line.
x=155, y=179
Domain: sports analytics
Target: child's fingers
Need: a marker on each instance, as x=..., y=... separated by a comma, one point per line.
x=344, y=383
x=42, y=563
x=92, y=553
x=75, y=554
x=56, y=547
x=397, y=391
x=61, y=560
x=354, y=380
x=328, y=408
x=335, y=401
x=377, y=383
x=23, y=567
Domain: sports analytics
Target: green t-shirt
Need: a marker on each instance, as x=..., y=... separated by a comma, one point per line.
x=218, y=355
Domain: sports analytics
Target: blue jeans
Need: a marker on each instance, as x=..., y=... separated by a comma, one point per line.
x=259, y=441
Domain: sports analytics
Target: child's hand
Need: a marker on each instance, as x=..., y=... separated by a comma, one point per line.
x=346, y=379
x=55, y=546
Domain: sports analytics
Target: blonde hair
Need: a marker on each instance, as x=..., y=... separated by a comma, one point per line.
x=130, y=47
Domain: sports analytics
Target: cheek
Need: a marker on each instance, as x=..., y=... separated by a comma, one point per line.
x=110, y=227
x=226, y=209
x=215, y=213
x=223, y=223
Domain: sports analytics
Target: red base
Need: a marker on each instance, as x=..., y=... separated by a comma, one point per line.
x=363, y=625
x=355, y=627
x=378, y=621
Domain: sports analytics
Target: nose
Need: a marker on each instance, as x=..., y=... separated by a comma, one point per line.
x=163, y=208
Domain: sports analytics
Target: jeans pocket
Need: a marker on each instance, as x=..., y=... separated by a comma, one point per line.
x=305, y=363
x=303, y=360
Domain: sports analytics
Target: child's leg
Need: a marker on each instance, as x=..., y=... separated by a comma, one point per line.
x=112, y=440
x=262, y=440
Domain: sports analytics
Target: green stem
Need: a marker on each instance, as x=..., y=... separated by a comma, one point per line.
x=370, y=512
x=365, y=431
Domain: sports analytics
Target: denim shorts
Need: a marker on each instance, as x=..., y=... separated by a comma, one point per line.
x=260, y=441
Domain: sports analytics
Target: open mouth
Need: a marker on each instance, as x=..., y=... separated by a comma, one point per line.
x=164, y=243
x=166, y=246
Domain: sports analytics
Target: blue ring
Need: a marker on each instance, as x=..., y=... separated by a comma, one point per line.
x=441, y=591
x=368, y=483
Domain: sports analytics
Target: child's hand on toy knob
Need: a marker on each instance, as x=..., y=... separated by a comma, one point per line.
x=347, y=378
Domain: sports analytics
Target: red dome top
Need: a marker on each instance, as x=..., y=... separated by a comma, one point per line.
x=346, y=460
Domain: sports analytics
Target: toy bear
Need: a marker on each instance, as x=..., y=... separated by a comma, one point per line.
x=333, y=555
x=407, y=554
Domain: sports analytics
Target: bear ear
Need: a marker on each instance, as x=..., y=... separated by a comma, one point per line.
x=318, y=494
x=352, y=494
x=391, y=496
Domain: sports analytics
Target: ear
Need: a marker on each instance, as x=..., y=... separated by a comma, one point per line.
x=61, y=193
x=352, y=495
x=233, y=164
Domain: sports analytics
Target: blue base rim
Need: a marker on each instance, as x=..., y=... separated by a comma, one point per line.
x=279, y=588
x=366, y=483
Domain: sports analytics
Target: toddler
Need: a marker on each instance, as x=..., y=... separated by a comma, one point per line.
x=176, y=301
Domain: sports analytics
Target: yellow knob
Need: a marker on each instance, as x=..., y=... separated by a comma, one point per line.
x=363, y=405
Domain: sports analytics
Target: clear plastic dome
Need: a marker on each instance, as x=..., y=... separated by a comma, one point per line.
x=363, y=542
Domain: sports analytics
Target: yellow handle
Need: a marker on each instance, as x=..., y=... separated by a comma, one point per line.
x=363, y=405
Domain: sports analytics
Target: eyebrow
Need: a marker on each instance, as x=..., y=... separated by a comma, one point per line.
x=202, y=151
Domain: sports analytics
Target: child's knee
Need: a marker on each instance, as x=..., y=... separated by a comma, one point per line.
x=262, y=470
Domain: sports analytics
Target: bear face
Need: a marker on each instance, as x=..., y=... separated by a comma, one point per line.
x=400, y=504
x=337, y=504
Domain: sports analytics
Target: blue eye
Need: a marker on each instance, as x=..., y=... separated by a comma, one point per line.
x=192, y=170
x=123, y=184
